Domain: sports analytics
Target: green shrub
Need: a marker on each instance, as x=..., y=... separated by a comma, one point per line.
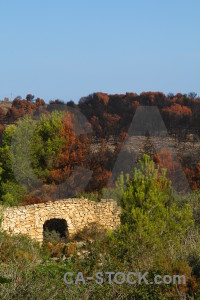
x=150, y=212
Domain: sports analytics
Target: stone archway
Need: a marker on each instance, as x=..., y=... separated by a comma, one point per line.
x=78, y=213
x=55, y=226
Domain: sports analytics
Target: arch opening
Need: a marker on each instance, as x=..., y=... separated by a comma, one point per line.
x=55, y=229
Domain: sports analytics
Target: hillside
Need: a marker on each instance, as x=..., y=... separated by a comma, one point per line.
x=110, y=117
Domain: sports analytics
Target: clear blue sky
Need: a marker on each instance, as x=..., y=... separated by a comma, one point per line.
x=69, y=49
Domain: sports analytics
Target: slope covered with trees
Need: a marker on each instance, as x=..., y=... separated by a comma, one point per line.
x=56, y=149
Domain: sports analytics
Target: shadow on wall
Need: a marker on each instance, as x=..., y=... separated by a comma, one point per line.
x=55, y=229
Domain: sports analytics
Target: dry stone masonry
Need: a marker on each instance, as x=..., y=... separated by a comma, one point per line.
x=78, y=213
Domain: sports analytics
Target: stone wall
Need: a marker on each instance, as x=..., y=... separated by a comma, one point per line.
x=78, y=213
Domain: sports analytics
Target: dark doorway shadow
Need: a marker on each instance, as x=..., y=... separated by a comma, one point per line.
x=55, y=229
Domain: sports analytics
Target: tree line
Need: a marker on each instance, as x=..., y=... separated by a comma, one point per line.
x=56, y=149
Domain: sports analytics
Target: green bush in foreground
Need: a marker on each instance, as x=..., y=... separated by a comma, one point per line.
x=150, y=210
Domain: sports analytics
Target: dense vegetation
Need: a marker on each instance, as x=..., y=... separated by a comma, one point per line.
x=113, y=113
x=56, y=149
x=158, y=235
